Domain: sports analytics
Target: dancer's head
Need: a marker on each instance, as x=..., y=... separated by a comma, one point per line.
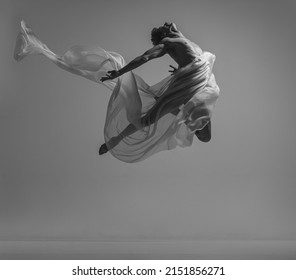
x=167, y=30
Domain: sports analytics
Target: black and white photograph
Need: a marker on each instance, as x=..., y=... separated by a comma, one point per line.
x=147, y=130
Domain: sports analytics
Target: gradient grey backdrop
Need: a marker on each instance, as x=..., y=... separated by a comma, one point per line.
x=240, y=186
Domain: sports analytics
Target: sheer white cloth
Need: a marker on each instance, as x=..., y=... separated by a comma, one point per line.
x=132, y=98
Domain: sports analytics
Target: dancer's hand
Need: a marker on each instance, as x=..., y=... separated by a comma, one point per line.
x=173, y=70
x=112, y=75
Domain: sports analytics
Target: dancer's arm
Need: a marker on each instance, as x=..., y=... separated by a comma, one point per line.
x=156, y=51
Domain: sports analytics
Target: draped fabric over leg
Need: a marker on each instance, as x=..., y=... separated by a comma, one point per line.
x=194, y=83
x=132, y=98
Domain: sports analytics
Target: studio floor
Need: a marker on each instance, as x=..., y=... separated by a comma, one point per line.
x=139, y=250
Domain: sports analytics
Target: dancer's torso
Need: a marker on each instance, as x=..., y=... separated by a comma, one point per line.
x=182, y=50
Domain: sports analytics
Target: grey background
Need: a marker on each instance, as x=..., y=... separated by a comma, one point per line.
x=240, y=186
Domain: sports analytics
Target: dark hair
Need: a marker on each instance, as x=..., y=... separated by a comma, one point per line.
x=157, y=34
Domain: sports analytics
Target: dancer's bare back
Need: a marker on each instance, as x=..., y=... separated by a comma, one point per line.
x=181, y=50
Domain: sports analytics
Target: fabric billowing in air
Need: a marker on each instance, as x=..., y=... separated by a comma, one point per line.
x=132, y=98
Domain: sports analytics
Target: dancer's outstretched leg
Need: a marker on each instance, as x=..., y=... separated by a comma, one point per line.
x=150, y=118
x=204, y=134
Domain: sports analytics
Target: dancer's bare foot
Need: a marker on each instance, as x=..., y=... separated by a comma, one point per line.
x=103, y=149
x=204, y=135
x=114, y=141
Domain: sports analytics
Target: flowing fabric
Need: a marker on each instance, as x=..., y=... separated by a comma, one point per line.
x=132, y=99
